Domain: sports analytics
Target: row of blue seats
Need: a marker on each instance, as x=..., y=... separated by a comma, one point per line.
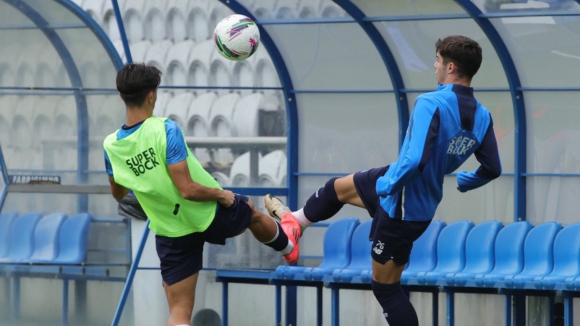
x=519, y=256
x=50, y=246
x=34, y=239
x=459, y=257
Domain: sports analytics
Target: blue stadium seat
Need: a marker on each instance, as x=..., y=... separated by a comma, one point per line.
x=509, y=254
x=360, y=254
x=337, y=253
x=479, y=253
x=538, y=256
x=450, y=252
x=6, y=220
x=21, y=239
x=424, y=253
x=46, y=236
x=73, y=240
x=566, y=258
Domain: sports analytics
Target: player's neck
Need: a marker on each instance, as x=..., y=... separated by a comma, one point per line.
x=137, y=114
x=452, y=79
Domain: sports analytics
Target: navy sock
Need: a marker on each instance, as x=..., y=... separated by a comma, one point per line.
x=323, y=204
x=397, y=308
x=280, y=241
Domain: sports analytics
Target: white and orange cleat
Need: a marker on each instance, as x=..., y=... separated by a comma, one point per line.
x=289, y=224
x=291, y=227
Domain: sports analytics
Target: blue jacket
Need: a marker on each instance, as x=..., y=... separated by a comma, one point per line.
x=445, y=128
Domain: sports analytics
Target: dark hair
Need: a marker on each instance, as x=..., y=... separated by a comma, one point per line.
x=464, y=52
x=135, y=81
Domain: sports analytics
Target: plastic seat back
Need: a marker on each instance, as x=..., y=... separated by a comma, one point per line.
x=337, y=243
x=336, y=253
x=451, y=246
x=21, y=240
x=479, y=247
x=509, y=253
x=6, y=220
x=566, y=256
x=538, y=249
x=46, y=235
x=567, y=251
x=450, y=253
x=479, y=253
x=73, y=240
x=361, y=247
x=509, y=248
x=360, y=254
x=424, y=253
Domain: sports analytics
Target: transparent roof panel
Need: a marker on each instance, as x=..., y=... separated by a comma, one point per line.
x=413, y=45
x=518, y=7
x=343, y=144
x=30, y=60
x=93, y=63
x=545, y=49
x=11, y=17
x=289, y=9
x=325, y=60
x=53, y=12
x=553, y=134
x=377, y=8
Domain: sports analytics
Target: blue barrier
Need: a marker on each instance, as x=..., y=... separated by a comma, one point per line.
x=51, y=246
x=515, y=260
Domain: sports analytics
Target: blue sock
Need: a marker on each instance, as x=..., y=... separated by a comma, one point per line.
x=280, y=241
x=397, y=308
x=323, y=204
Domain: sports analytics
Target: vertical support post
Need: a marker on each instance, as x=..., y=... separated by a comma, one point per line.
x=5, y=178
x=81, y=301
x=508, y=310
x=119, y=19
x=335, y=307
x=278, y=305
x=16, y=296
x=450, y=308
x=224, y=303
x=254, y=166
x=319, y=305
x=291, y=292
x=65, y=302
x=435, y=307
x=568, y=310
x=520, y=314
x=552, y=303
x=130, y=276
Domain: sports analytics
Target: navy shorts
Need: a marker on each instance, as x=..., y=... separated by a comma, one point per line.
x=392, y=237
x=182, y=257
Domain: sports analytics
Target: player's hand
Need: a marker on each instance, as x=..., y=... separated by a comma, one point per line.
x=227, y=199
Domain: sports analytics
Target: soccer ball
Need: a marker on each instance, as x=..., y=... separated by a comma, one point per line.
x=236, y=37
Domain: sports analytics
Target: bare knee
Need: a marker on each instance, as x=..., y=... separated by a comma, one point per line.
x=346, y=191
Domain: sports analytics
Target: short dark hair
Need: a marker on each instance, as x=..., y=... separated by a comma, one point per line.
x=464, y=52
x=135, y=81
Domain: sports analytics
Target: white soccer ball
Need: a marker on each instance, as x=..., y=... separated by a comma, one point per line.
x=236, y=37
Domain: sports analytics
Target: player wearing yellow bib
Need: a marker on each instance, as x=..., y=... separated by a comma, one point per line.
x=186, y=207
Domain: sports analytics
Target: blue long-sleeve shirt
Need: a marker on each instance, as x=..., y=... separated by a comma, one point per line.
x=445, y=128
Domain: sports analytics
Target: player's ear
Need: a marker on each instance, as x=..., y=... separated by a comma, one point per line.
x=451, y=67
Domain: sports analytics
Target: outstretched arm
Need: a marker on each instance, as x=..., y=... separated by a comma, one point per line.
x=487, y=154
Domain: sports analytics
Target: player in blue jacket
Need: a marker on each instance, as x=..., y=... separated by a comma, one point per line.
x=446, y=127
